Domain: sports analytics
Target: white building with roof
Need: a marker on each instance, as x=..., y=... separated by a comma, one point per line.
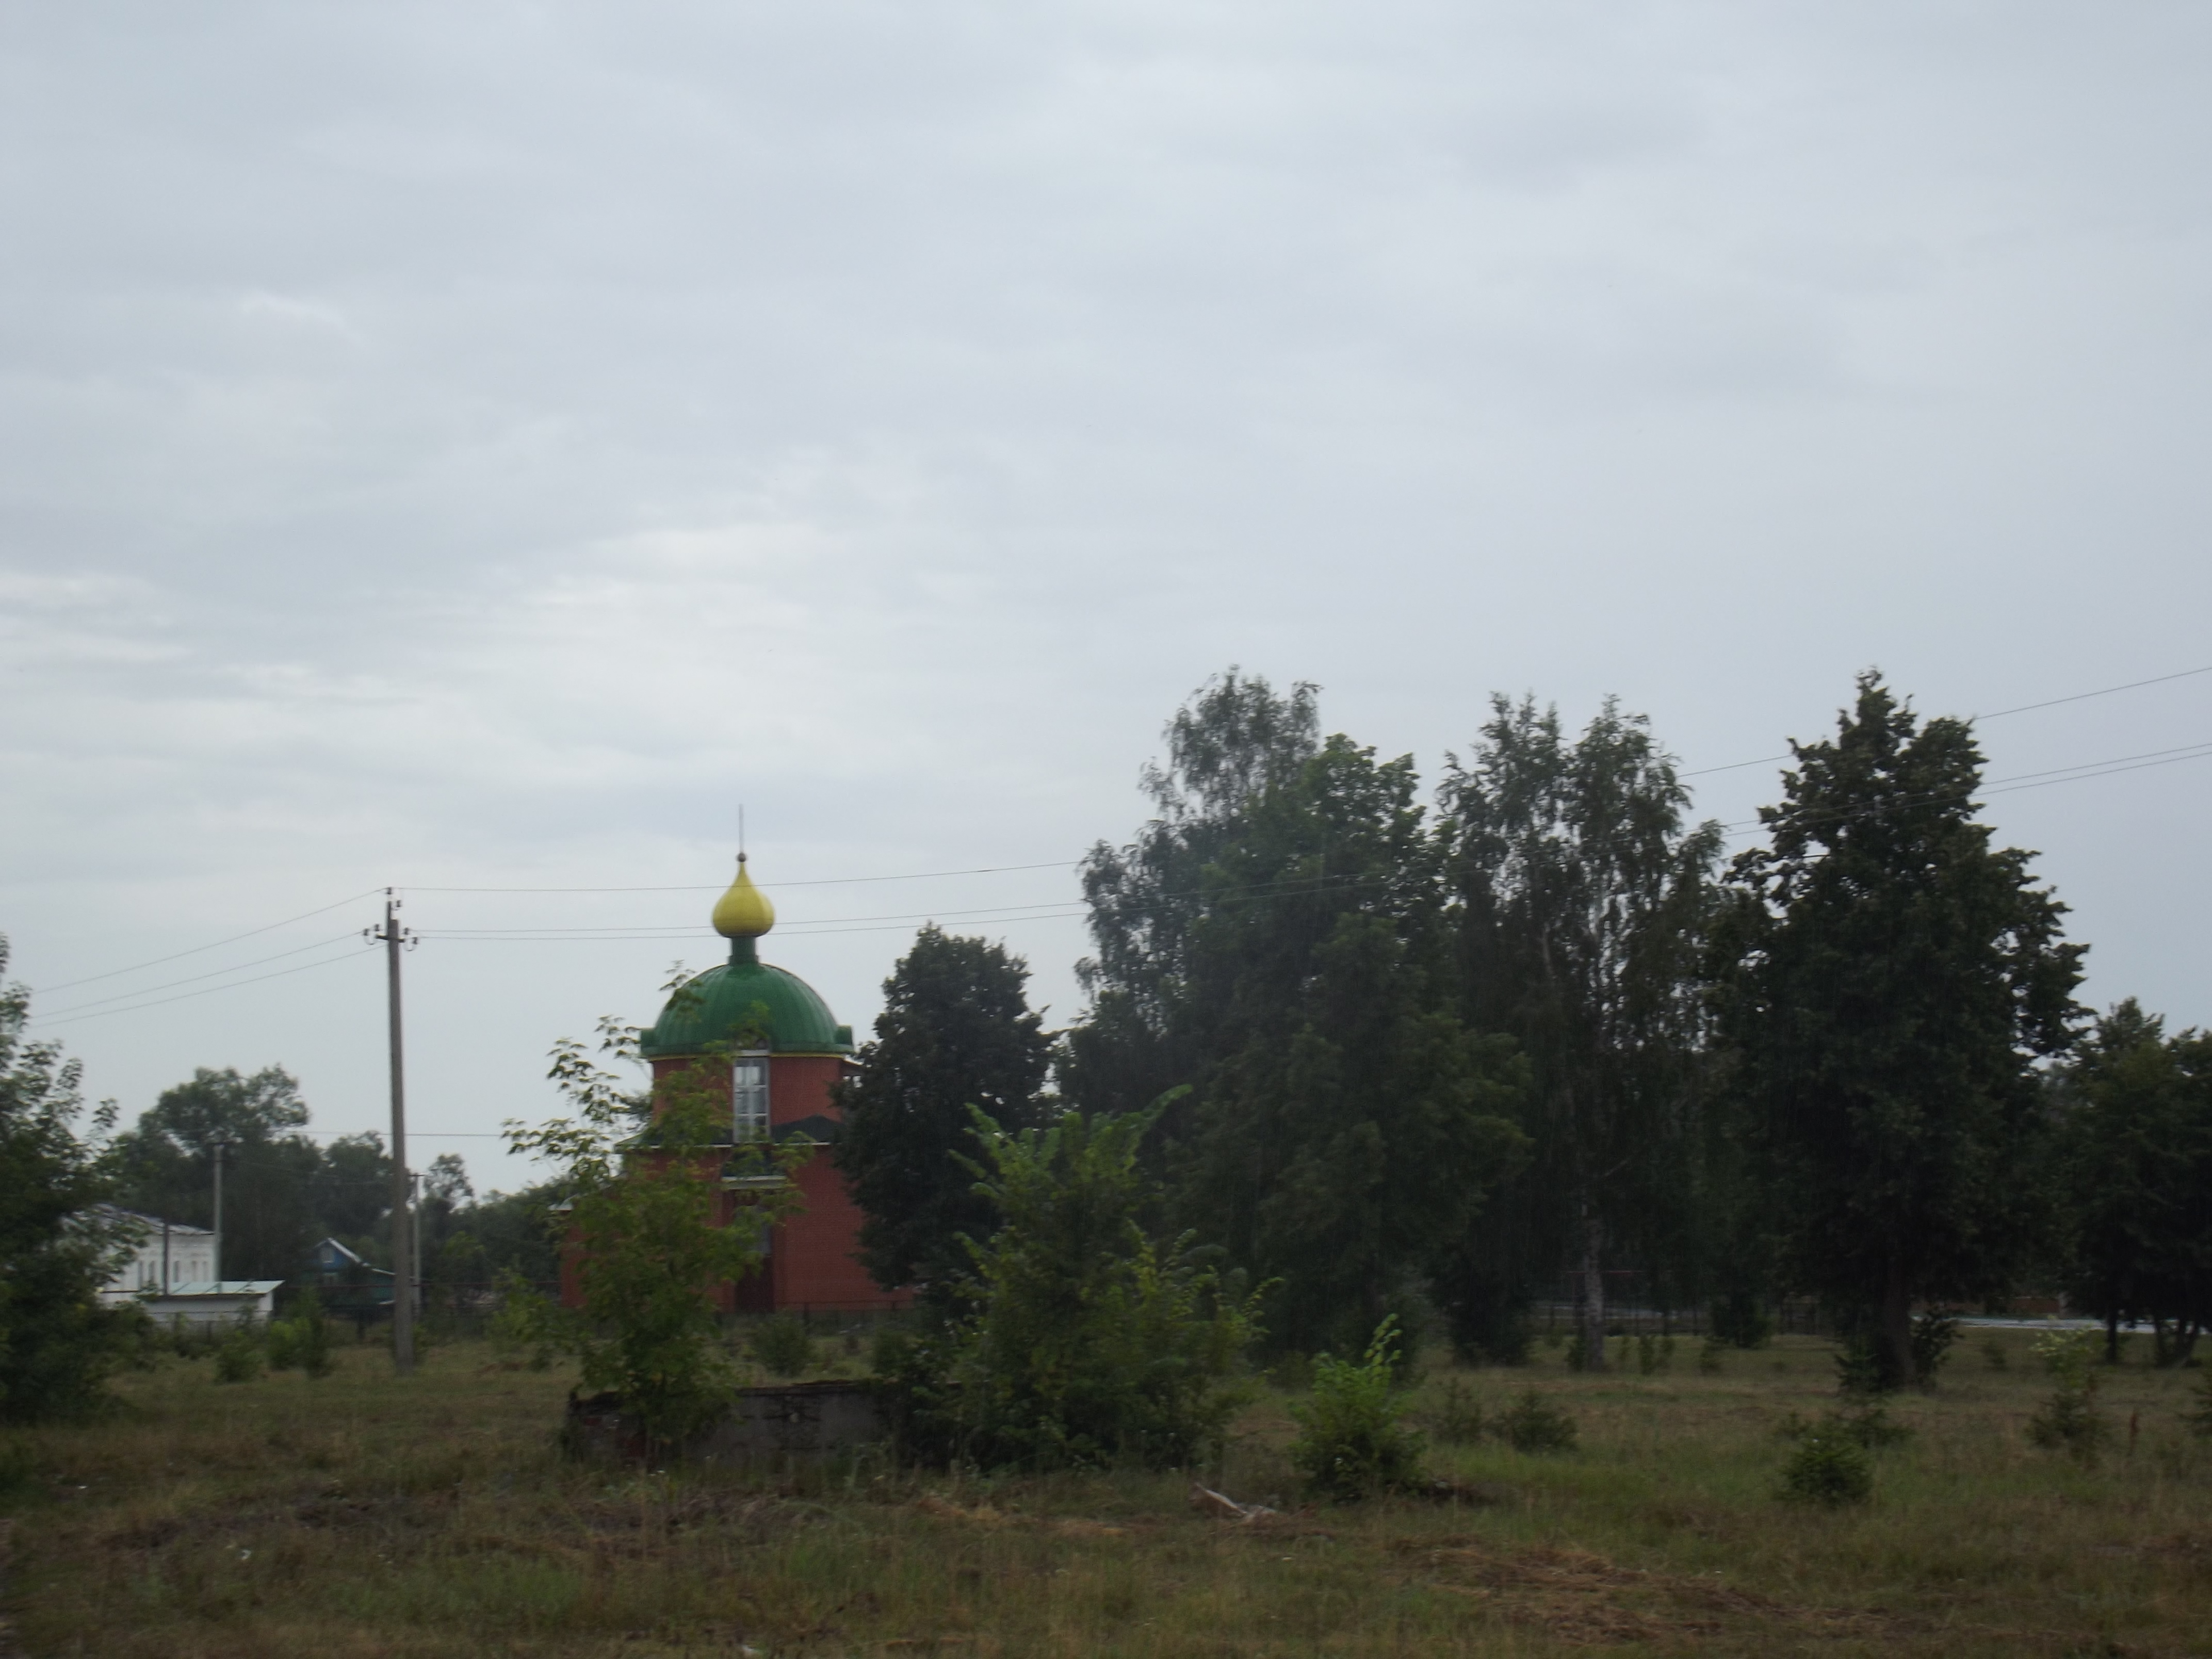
x=171, y=1273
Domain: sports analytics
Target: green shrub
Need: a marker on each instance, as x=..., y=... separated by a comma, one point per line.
x=1083, y=1341
x=1653, y=1353
x=1533, y=1424
x=303, y=1339
x=1740, y=1320
x=2198, y=1418
x=1829, y=1466
x=59, y=1340
x=1457, y=1420
x=651, y=1238
x=1352, y=1442
x=1933, y=1334
x=1994, y=1355
x=1712, y=1356
x=2069, y=1420
x=780, y=1345
x=240, y=1356
x=1859, y=1366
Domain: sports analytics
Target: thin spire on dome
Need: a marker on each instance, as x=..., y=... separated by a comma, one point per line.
x=744, y=912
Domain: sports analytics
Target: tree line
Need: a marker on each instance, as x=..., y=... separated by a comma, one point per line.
x=1396, y=1063
x=1435, y=1059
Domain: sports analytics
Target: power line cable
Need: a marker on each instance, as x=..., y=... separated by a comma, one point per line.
x=716, y=887
x=304, y=967
x=2086, y=772
x=2024, y=709
x=194, y=979
x=48, y=990
x=1280, y=887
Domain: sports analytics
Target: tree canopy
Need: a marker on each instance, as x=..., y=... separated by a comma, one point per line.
x=1896, y=980
x=956, y=1033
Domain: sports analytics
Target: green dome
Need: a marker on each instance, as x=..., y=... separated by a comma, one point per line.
x=707, y=1010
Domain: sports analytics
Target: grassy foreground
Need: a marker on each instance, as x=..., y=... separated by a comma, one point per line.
x=358, y=1516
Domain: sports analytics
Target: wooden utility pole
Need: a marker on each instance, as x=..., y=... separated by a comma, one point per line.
x=217, y=1148
x=395, y=940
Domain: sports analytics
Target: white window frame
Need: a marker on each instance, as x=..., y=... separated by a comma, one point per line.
x=748, y=1094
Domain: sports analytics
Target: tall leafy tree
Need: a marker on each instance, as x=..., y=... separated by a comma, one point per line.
x=956, y=1032
x=165, y=1166
x=1897, y=980
x=1271, y=940
x=58, y=1344
x=1145, y=1031
x=1583, y=898
x=2134, y=1162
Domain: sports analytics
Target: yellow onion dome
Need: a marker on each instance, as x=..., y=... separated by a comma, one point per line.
x=744, y=912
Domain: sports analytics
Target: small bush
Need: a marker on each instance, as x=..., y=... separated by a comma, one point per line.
x=240, y=1356
x=1829, y=1466
x=302, y=1341
x=1457, y=1420
x=1994, y=1355
x=1533, y=1424
x=780, y=1345
x=1865, y=1422
x=1933, y=1334
x=2198, y=1417
x=2069, y=1420
x=1654, y=1354
x=1738, y=1320
x=1712, y=1356
x=1351, y=1441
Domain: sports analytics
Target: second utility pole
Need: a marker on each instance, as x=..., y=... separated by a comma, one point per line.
x=403, y=1240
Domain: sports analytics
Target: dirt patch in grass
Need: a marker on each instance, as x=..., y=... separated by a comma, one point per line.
x=1585, y=1599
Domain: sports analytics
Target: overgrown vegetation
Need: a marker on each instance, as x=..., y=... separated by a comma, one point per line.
x=432, y=1517
x=58, y=1344
x=1081, y=1340
x=2069, y=1420
x=1353, y=1440
x=780, y=1345
x=654, y=1234
x=1829, y=1465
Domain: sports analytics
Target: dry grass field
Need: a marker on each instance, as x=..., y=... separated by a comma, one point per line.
x=358, y=1515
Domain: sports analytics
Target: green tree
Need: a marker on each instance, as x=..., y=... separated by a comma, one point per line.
x=351, y=1194
x=1084, y=1341
x=1582, y=904
x=656, y=1233
x=1146, y=1030
x=1272, y=939
x=516, y=1232
x=165, y=1166
x=2134, y=1162
x=58, y=1343
x=955, y=1033
x=1896, y=981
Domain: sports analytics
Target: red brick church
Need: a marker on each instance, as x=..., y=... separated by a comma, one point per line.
x=778, y=1087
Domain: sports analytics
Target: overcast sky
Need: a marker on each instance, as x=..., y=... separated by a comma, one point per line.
x=480, y=446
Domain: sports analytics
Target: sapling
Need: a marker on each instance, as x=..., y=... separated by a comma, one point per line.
x=2198, y=1417
x=241, y=1354
x=1830, y=1467
x=2069, y=1420
x=1352, y=1440
x=780, y=1344
x=1533, y=1425
x=1458, y=1419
